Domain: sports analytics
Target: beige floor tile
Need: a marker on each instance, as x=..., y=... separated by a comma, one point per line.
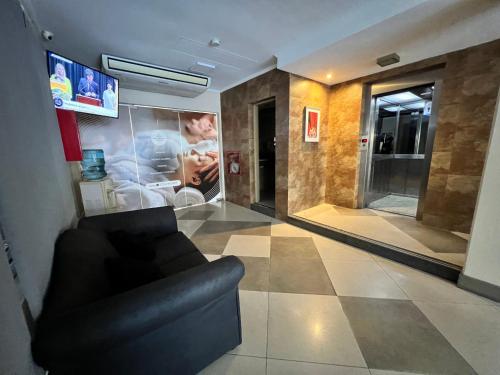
x=473, y=330
x=211, y=257
x=249, y=246
x=420, y=286
x=376, y=228
x=254, y=309
x=232, y=212
x=188, y=227
x=362, y=279
x=383, y=213
x=334, y=250
x=375, y=225
x=287, y=230
x=453, y=258
x=465, y=236
x=236, y=365
x=311, y=328
x=280, y=367
x=321, y=208
x=437, y=239
x=388, y=372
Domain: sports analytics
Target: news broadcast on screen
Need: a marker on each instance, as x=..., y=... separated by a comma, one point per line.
x=76, y=87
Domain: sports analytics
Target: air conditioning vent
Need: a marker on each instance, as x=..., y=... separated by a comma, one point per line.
x=148, y=77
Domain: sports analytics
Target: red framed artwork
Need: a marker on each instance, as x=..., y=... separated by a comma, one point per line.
x=233, y=162
x=311, y=124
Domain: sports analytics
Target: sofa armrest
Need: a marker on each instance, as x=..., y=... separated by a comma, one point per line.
x=156, y=221
x=97, y=327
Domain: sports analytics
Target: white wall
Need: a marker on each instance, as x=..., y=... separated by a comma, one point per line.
x=483, y=256
x=209, y=101
x=15, y=348
x=36, y=198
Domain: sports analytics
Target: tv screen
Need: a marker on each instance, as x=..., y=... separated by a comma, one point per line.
x=76, y=87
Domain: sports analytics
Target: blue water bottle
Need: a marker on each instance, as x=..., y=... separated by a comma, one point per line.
x=93, y=165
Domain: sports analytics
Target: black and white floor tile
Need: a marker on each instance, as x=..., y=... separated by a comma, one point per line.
x=311, y=305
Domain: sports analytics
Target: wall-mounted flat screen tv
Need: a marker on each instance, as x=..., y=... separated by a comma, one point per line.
x=76, y=87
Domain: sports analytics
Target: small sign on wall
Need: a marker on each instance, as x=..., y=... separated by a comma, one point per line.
x=233, y=162
x=311, y=124
x=363, y=142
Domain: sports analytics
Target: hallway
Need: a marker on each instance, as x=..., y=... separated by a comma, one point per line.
x=311, y=305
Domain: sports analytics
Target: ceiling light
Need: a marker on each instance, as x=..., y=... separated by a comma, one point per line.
x=402, y=97
x=214, y=42
x=417, y=105
x=391, y=108
x=206, y=65
x=329, y=75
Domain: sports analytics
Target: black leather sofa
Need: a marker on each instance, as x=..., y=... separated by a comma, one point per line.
x=175, y=325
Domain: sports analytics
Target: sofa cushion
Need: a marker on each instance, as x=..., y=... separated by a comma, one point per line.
x=127, y=273
x=172, y=246
x=133, y=245
x=78, y=272
x=183, y=263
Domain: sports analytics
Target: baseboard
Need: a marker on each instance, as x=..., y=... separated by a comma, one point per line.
x=480, y=287
x=268, y=211
x=436, y=267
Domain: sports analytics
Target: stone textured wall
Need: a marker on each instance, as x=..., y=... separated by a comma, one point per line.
x=344, y=128
x=466, y=108
x=466, y=105
x=238, y=135
x=307, y=162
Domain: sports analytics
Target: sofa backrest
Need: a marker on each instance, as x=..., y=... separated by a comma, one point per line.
x=156, y=221
x=78, y=273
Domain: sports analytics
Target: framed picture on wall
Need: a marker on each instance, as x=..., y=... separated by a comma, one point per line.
x=311, y=124
x=233, y=162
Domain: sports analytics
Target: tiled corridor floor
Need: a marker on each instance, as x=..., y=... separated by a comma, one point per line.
x=396, y=204
x=396, y=230
x=311, y=305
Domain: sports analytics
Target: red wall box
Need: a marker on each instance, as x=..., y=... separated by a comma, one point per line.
x=70, y=135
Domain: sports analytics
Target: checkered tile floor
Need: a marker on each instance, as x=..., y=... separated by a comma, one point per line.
x=396, y=230
x=311, y=305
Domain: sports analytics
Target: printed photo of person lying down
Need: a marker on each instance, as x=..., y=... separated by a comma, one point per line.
x=157, y=157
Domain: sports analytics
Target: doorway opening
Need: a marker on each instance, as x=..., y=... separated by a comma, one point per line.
x=397, y=160
x=265, y=157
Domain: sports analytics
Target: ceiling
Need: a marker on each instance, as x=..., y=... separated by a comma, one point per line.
x=309, y=38
x=429, y=29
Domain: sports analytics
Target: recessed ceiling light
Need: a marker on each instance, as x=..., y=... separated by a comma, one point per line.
x=329, y=75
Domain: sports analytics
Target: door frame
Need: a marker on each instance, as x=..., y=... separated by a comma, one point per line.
x=256, y=148
x=368, y=127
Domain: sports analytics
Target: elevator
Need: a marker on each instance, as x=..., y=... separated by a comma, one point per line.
x=398, y=160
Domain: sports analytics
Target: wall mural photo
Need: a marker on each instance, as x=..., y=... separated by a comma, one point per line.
x=156, y=157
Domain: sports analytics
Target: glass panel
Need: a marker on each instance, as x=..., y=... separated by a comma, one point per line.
x=424, y=127
x=407, y=132
x=157, y=145
x=156, y=156
x=385, y=130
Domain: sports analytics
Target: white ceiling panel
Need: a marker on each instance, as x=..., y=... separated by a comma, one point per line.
x=309, y=38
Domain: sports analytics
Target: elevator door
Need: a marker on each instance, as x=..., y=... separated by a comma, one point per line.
x=400, y=127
